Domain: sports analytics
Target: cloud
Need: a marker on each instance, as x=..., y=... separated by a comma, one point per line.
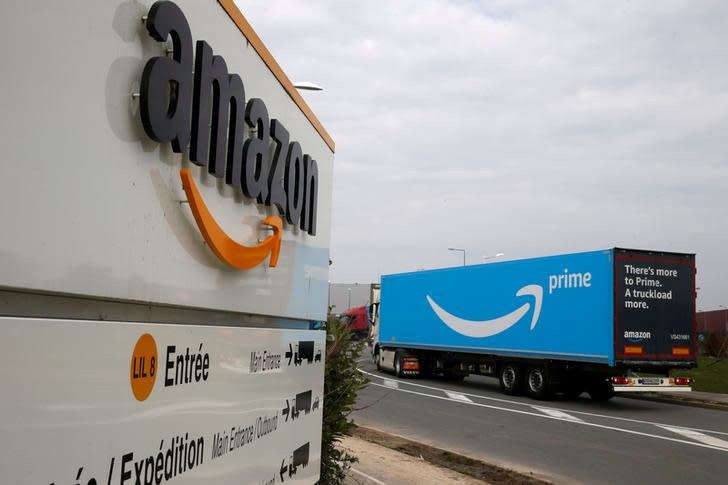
x=525, y=127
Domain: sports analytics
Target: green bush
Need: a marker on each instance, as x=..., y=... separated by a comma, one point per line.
x=711, y=375
x=342, y=382
x=715, y=345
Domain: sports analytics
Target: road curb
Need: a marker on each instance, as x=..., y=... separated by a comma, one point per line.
x=681, y=401
x=466, y=465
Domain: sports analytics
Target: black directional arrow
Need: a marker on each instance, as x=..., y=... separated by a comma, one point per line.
x=289, y=354
x=284, y=469
x=287, y=410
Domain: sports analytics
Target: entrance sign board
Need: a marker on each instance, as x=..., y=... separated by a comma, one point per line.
x=158, y=167
x=128, y=403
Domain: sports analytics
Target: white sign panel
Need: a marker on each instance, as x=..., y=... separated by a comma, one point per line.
x=93, y=403
x=92, y=205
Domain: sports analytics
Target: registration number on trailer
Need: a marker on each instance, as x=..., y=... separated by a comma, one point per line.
x=650, y=381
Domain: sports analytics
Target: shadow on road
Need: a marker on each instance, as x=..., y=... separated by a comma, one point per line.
x=489, y=388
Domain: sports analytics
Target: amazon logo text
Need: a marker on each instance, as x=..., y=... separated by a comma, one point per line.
x=196, y=102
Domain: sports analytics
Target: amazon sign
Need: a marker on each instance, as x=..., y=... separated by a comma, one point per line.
x=161, y=174
x=194, y=102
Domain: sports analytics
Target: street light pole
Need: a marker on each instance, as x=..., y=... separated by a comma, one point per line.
x=458, y=249
x=307, y=86
x=497, y=255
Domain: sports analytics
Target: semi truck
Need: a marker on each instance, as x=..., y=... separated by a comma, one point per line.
x=358, y=321
x=591, y=321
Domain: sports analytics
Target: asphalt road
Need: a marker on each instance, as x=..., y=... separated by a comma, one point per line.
x=565, y=441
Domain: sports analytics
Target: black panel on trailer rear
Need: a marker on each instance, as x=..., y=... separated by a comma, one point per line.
x=654, y=308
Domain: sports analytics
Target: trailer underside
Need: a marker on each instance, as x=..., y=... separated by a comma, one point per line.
x=538, y=378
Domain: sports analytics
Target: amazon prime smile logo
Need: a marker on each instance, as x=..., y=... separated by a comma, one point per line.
x=488, y=328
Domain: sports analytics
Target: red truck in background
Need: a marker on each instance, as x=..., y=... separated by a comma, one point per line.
x=357, y=319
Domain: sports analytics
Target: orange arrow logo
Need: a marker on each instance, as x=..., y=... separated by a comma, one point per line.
x=232, y=253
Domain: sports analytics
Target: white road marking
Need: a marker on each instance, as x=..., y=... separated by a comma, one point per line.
x=457, y=396
x=583, y=423
x=520, y=403
x=556, y=413
x=392, y=384
x=703, y=438
x=368, y=477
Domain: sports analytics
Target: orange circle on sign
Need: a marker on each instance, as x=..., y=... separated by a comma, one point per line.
x=144, y=366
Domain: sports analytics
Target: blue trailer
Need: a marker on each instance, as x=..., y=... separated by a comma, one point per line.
x=568, y=323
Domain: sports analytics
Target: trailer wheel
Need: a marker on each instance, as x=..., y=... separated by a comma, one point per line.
x=538, y=383
x=600, y=390
x=398, y=363
x=511, y=380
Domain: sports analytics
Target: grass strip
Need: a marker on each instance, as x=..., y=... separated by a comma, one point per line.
x=711, y=375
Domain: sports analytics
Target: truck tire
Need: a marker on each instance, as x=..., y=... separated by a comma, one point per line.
x=377, y=359
x=398, y=363
x=538, y=383
x=600, y=390
x=511, y=379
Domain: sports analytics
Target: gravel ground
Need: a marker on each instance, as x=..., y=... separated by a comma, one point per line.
x=381, y=465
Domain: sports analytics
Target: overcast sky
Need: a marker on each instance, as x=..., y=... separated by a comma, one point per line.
x=524, y=127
